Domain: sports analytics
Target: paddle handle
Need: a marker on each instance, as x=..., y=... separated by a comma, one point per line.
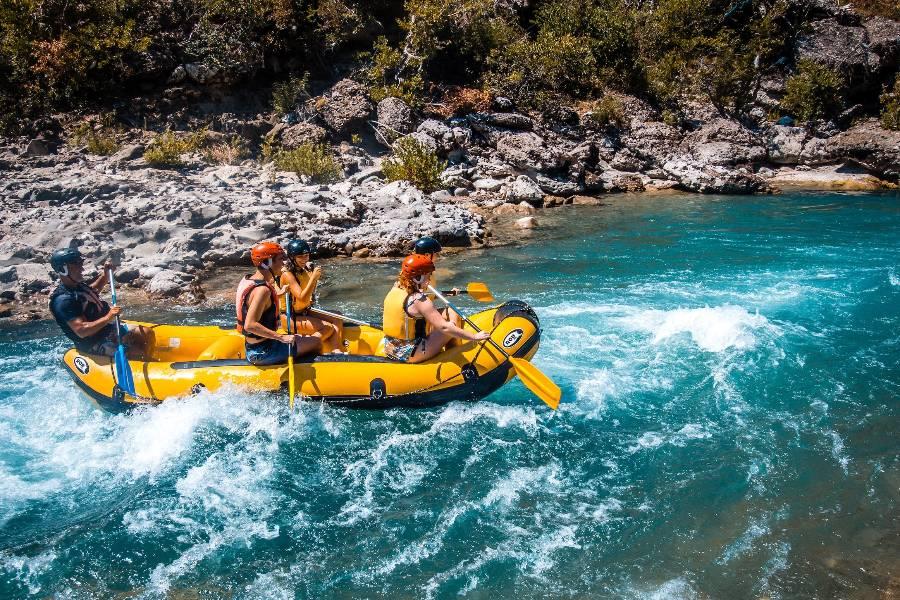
x=466, y=319
x=112, y=289
x=288, y=306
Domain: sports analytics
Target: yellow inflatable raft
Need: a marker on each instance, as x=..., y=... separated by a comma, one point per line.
x=187, y=359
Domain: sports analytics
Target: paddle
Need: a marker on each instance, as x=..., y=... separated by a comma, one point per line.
x=123, y=369
x=342, y=317
x=477, y=290
x=541, y=385
x=288, y=303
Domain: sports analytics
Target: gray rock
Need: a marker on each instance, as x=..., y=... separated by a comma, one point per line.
x=785, y=144
x=526, y=150
x=503, y=120
x=526, y=223
x=487, y=184
x=129, y=152
x=712, y=179
x=300, y=134
x=395, y=114
x=871, y=146
x=884, y=40
x=346, y=107
x=37, y=147
x=201, y=73
x=522, y=188
x=167, y=283
x=178, y=75
x=838, y=46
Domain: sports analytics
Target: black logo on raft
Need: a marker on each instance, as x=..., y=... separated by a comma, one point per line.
x=81, y=365
x=512, y=338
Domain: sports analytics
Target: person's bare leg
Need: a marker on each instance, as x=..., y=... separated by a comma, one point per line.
x=431, y=347
x=307, y=344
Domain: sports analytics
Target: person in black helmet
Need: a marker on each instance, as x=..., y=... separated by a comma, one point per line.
x=430, y=247
x=85, y=318
x=301, y=278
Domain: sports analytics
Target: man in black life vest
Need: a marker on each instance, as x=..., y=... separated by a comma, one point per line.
x=256, y=305
x=85, y=318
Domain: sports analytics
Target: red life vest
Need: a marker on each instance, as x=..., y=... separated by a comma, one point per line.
x=269, y=318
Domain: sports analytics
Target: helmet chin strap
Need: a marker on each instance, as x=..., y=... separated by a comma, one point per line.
x=65, y=271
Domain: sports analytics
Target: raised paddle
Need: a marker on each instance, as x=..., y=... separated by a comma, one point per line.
x=476, y=290
x=288, y=302
x=123, y=369
x=542, y=386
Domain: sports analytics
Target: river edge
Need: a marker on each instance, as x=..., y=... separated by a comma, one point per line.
x=215, y=286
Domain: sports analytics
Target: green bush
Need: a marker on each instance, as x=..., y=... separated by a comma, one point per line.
x=814, y=92
x=312, y=160
x=167, y=148
x=98, y=140
x=287, y=95
x=890, y=111
x=608, y=112
x=415, y=163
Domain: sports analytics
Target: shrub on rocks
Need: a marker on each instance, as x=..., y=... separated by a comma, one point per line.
x=287, y=95
x=100, y=140
x=310, y=160
x=415, y=163
x=167, y=148
x=229, y=152
x=608, y=112
x=814, y=92
x=890, y=113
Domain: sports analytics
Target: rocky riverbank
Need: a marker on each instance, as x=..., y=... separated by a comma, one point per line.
x=175, y=225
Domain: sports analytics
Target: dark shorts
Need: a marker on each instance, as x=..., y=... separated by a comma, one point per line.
x=269, y=352
x=109, y=344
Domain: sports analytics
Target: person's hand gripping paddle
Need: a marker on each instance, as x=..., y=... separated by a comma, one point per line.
x=541, y=385
x=475, y=290
x=292, y=389
x=123, y=369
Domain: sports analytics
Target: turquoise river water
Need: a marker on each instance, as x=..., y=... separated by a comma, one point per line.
x=729, y=429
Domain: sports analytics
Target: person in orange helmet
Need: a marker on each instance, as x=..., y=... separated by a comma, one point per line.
x=414, y=330
x=256, y=305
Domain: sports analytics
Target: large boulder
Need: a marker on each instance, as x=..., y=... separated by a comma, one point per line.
x=839, y=47
x=712, y=179
x=870, y=145
x=346, y=108
x=523, y=189
x=785, y=144
x=527, y=150
x=884, y=40
x=724, y=142
x=395, y=115
x=300, y=134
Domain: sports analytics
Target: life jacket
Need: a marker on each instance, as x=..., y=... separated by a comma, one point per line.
x=92, y=308
x=302, y=276
x=269, y=317
x=397, y=322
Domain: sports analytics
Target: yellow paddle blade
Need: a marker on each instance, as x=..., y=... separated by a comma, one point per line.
x=479, y=291
x=542, y=386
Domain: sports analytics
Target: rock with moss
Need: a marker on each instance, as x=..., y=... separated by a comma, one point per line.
x=345, y=108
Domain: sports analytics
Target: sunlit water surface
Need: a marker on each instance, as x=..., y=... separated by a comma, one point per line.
x=729, y=429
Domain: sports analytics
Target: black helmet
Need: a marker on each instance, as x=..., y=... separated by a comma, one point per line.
x=297, y=247
x=427, y=245
x=66, y=256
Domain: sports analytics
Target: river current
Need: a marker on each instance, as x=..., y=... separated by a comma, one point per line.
x=729, y=429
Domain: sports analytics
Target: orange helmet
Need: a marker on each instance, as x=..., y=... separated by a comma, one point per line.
x=416, y=265
x=264, y=251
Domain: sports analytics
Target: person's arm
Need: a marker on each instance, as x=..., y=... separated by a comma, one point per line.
x=102, y=279
x=257, y=306
x=437, y=321
x=306, y=294
x=85, y=329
